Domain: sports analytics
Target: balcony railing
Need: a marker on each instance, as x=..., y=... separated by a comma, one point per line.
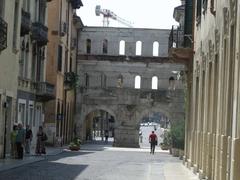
x=45, y=91
x=176, y=38
x=3, y=34
x=40, y=33
x=76, y=4
x=25, y=22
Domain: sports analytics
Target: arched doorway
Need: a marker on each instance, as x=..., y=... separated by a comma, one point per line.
x=156, y=121
x=99, y=126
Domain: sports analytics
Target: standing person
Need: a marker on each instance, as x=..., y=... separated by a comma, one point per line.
x=153, y=141
x=28, y=139
x=106, y=136
x=20, y=140
x=41, y=138
x=13, y=142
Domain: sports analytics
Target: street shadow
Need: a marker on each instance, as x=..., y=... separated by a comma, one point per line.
x=96, y=145
x=59, y=167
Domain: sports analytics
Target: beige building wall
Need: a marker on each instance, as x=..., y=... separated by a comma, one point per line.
x=9, y=71
x=213, y=132
x=62, y=60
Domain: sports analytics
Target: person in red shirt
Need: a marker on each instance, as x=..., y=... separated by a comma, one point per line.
x=152, y=141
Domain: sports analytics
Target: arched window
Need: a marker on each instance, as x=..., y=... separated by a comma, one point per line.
x=155, y=48
x=137, y=82
x=105, y=46
x=88, y=45
x=138, y=48
x=154, y=82
x=122, y=47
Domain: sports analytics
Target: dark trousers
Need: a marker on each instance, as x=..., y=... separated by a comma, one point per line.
x=19, y=150
x=153, y=144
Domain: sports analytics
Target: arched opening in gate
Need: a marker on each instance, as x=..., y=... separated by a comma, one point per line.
x=99, y=127
x=158, y=122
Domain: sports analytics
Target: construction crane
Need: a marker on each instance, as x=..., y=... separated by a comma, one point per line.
x=109, y=14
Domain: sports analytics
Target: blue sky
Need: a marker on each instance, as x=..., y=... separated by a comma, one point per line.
x=143, y=13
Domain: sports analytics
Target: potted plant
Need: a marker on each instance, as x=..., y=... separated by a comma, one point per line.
x=177, y=135
x=75, y=144
x=166, y=144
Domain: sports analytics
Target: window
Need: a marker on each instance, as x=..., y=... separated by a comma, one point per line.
x=122, y=47
x=212, y=7
x=22, y=112
x=26, y=5
x=154, y=82
x=15, y=24
x=155, y=48
x=59, y=58
x=138, y=48
x=42, y=11
x=2, y=4
x=205, y=4
x=199, y=10
x=86, y=80
x=105, y=46
x=31, y=114
x=137, y=82
x=88, y=45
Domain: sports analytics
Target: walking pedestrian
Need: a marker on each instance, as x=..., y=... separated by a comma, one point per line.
x=41, y=138
x=13, y=142
x=106, y=136
x=28, y=139
x=153, y=142
x=20, y=141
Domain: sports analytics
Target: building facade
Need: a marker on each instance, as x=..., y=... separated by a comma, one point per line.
x=61, y=67
x=213, y=129
x=9, y=51
x=33, y=89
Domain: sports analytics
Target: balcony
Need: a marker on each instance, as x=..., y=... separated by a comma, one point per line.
x=70, y=80
x=25, y=23
x=45, y=91
x=40, y=33
x=176, y=38
x=76, y=4
x=25, y=84
x=3, y=34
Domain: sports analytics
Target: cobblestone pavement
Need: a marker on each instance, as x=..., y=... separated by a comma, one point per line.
x=100, y=162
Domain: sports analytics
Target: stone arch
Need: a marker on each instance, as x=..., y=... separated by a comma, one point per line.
x=93, y=108
x=143, y=111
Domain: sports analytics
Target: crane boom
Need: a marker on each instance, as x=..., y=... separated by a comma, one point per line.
x=109, y=14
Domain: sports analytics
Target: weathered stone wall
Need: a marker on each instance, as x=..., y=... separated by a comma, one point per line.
x=129, y=35
x=100, y=88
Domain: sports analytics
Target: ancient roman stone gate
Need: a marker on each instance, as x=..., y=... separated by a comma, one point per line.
x=116, y=68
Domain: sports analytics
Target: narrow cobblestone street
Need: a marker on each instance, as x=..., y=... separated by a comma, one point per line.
x=103, y=162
